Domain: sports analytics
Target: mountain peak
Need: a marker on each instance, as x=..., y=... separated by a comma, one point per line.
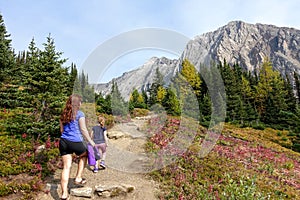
x=236, y=42
x=248, y=45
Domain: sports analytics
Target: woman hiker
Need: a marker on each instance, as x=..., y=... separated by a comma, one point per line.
x=73, y=128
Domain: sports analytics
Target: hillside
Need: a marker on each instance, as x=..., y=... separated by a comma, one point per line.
x=244, y=164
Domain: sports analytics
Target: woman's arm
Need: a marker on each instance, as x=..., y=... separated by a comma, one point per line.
x=92, y=134
x=106, y=138
x=84, y=131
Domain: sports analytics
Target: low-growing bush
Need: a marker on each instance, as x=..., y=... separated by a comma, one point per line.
x=244, y=164
x=34, y=159
x=258, y=126
x=139, y=112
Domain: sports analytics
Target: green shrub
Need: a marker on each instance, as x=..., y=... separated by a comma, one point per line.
x=259, y=126
x=279, y=133
x=139, y=112
x=19, y=156
x=243, y=189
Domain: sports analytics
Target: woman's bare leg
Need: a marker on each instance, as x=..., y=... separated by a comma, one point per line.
x=65, y=174
x=81, y=166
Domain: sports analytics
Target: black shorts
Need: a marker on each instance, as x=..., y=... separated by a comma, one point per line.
x=68, y=147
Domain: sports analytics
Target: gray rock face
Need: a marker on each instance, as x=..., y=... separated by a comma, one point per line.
x=248, y=45
x=237, y=42
x=140, y=78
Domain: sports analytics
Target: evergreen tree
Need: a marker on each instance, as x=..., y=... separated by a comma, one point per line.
x=145, y=98
x=247, y=94
x=171, y=103
x=136, y=100
x=17, y=70
x=6, y=54
x=157, y=83
x=103, y=105
x=88, y=94
x=77, y=86
x=290, y=97
x=46, y=81
x=231, y=76
x=297, y=86
x=108, y=105
x=271, y=94
x=83, y=82
x=205, y=108
x=118, y=105
x=296, y=139
x=214, y=81
x=81, y=85
x=73, y=83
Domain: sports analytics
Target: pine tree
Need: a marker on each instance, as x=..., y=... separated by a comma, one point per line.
x=81, y=86
x=157, y=83
x=214, y=81
x=247, y=94
x=118, y=105
x=83, y=82
x=6, y=54
x=46, y=81
x=231, y=76
x=297, y=86
x=296, y=139
x=273, y=96
x=171, y=103
x=103, y=105
x=205, y=109
x=136, y=100
x=290, y=97
x=73, y=83
x=88, y=94
x=108, y=105
x=145, y=98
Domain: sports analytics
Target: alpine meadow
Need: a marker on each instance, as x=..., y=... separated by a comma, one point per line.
x=256, y=156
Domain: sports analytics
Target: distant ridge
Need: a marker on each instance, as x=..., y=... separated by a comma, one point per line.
x=236, y=42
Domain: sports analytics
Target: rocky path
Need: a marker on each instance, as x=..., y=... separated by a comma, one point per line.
x=123, y=179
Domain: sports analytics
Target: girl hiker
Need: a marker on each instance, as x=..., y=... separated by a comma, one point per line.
x=99, y=136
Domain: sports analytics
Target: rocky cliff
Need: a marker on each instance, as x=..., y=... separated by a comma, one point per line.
x=248, y=45
x=237, y=42
x=141, y=78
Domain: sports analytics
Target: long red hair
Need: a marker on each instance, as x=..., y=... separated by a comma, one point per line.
x=70, y=111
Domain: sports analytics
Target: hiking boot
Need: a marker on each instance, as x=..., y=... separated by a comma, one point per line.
x=102, y=164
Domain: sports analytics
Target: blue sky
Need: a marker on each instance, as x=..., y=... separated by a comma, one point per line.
x=79, y=27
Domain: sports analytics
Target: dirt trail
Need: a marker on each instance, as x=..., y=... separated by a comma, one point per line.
x=124, y=166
